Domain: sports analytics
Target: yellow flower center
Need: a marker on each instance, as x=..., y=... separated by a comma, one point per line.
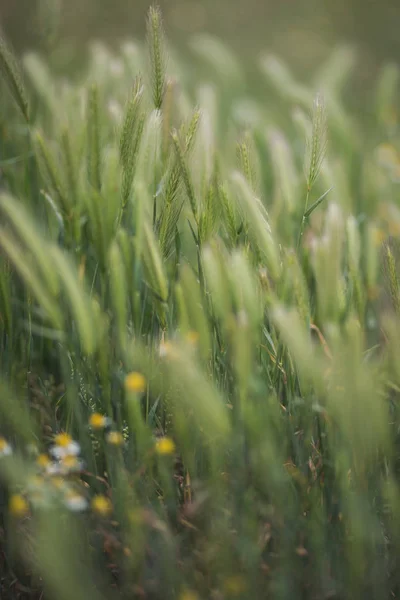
x=115, y=438
x=63, y=439
x=165, y=446
x=135, y=382
x=18, y=506
x=101, y=505
x=43, y=460
x=97, y=421
x=3, y=444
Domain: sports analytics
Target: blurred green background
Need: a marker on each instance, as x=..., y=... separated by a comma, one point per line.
x=300, y=31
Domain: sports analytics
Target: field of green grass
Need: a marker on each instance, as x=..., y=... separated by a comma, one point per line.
x=199, y=329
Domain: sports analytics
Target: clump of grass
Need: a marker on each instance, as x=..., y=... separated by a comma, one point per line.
x=200, y=373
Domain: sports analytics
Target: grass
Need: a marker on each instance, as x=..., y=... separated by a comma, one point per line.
x=199, y=329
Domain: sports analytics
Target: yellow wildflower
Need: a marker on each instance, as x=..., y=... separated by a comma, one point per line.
x=75, y=502
x=43, y=460
x=18, y=506
x=98, y=421
x=135, y=382
x=71, y=463
x=115, y=438
x=165, y=445
x=64, y=445
x=101, y=505
x=63, y=439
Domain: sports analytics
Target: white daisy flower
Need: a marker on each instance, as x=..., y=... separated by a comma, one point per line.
x=71, y=464
x=60, y=452
x=64, y=446
x=66, y=464
x=54, y=468
x=75, y=501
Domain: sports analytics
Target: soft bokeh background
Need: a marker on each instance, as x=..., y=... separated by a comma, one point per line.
x=300, y=31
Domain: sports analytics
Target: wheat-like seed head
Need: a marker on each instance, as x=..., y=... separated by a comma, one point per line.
x=317, y=143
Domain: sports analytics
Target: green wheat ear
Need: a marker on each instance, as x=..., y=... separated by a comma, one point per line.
x=127, y=138
x=131, y=133
x=156, y=42
x=11, y=74
x=316, y=144
x=185, y=173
